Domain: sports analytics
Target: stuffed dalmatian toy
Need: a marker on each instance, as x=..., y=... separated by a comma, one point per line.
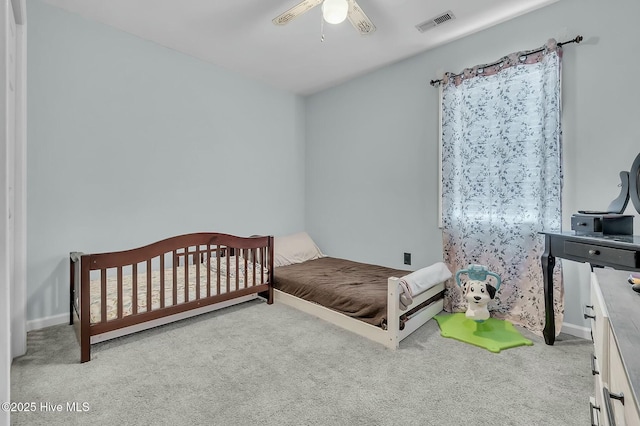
x=478, y=294
x=477, y=291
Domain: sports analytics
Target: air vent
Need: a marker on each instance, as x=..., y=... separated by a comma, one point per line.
x=284, y=18
x=434, y=22
x=364, y=27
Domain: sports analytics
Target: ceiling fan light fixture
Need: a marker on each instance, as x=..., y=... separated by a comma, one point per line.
x=335, y=11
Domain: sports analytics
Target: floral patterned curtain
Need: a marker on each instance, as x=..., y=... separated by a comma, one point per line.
x=502, y=179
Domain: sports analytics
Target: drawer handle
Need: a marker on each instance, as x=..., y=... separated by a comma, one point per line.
x=586, y=316
x=591, y=408
x=593, y=365
x=593, y=252
x=607, y=402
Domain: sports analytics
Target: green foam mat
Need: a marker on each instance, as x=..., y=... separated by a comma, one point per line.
x=492, y=334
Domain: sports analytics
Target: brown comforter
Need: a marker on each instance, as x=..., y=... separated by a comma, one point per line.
x=355, y=289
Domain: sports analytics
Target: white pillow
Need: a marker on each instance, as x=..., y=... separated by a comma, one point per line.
x=295, y=248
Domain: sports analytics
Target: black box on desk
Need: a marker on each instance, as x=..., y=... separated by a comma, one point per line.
x=602, y=224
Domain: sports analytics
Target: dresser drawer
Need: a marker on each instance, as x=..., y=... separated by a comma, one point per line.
x=597, y=313
x=625, y=410
x=596, y=419
x=616, y=401
x=585, y=225
x=595, y=254
x=596, y=405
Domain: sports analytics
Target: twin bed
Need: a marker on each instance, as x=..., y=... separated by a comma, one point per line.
x=118, y=293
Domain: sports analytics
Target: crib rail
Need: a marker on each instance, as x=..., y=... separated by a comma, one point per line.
x=111, y=291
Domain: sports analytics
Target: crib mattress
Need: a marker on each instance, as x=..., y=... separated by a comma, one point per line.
x=358, y=290
x=236, y=282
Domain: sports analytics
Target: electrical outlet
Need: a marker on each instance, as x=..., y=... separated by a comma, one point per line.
x=407, y=258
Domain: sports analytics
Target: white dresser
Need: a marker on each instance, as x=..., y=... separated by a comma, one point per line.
x=615, y=328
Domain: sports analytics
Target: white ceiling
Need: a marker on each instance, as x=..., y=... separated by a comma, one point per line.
x=239, y=35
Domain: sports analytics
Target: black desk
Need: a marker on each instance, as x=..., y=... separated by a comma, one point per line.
x=615, y=251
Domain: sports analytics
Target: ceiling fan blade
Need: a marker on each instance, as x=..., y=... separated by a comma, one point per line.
x=295, y=11
x=359, y=20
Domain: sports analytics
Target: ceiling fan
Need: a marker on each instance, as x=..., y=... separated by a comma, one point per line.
x=333, y=12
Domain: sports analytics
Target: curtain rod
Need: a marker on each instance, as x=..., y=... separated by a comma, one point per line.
x=578, y=39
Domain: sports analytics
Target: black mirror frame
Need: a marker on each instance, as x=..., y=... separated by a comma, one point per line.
x=634, y=183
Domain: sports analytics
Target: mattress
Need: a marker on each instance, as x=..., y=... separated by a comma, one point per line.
x=358, y=290
x=236, y=281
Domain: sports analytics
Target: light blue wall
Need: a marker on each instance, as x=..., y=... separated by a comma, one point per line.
x=130, y=142
x=372, y=162
x=372, y=175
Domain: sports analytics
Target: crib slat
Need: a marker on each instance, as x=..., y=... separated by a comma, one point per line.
x=134, y=288
x=162, y=281
x=254, y=259
x=208, y=270
x=186, y=274
x=218, y=253
x=252, y=268
x=237, y=270
x=175, y=278
x=253, y=265
x=263, y=261
x=103, y=295
x=196, y=259
x=228, y=269
x=119, y=291
x=149, y=285
x=245, y=254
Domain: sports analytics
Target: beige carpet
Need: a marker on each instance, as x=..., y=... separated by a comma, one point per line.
x=256, y=364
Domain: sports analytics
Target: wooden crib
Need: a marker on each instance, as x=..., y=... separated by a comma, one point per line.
x=118, y=293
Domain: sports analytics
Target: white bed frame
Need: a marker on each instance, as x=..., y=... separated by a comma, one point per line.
x=390, y=337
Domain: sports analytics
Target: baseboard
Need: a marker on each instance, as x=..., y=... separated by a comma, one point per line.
x=576, y=330
x=39, y=323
